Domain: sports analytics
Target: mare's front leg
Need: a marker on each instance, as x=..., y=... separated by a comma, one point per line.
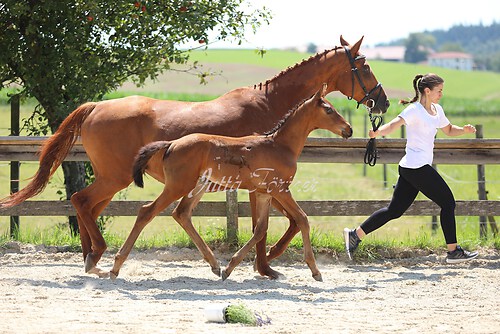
x=300, y=217
x=261, y=216
x=182, y=214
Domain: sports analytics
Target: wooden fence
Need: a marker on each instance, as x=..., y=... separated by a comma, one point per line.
x=319, y=150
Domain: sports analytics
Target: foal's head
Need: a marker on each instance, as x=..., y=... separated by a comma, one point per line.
x=327, y=117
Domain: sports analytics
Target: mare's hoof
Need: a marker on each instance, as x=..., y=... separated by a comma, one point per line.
x=90, y=268
x=273, y=274
x=113, y=275
x=89, y=264
x=99, y=272
x=269, y=272
x=318, y=277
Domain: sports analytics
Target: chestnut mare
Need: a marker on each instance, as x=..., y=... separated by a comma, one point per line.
x=113, y=131
x=249, y=162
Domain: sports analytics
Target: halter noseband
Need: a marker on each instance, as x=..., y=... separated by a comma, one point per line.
x=355, y=74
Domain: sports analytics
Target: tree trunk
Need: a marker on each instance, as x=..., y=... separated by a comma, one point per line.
x=74, y=180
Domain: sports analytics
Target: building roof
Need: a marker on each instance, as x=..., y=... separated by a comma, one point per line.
x=384, y=52
x=450, y=55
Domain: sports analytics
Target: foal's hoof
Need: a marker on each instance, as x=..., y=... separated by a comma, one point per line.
x=318, y=277
x=217, y=271
x=224, y=275
x=113, y=275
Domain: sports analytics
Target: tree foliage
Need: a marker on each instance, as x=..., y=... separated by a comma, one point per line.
x=64, y=53
x=418, y=46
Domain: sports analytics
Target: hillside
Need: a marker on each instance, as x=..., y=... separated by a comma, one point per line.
x=238, y=68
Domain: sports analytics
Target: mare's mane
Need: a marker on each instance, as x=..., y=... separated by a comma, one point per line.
x=290, y=68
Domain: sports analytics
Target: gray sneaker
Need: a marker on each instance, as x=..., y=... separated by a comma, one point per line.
x=460, y=255
x=351, y=241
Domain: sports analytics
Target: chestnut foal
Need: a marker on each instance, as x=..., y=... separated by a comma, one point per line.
x=263, y=164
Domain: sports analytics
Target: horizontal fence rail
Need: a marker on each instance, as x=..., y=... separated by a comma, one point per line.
x=321, y=150
x=220, y=209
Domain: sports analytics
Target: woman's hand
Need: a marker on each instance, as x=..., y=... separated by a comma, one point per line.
x=373, y=134
x=468, y=128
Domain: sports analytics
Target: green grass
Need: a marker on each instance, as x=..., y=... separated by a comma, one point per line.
x=374, y=247
x=469, y=98
x=473, y=85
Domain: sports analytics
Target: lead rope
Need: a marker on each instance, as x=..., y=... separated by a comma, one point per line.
x=371, y=153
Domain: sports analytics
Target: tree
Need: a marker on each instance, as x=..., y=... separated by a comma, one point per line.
x=64, y=53
x=451, y=47
x=418, y=46
x=312, y=48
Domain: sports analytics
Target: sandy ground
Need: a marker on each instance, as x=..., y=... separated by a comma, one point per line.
x=44, y=290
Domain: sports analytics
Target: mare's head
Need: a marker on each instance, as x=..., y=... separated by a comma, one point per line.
x=326, y=116
x=358, y=82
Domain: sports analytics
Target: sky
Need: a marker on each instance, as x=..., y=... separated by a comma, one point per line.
x=301, y=22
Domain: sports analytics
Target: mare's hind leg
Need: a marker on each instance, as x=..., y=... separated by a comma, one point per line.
x=261, y=216
x=182, y=214
x=89, y=203
x=300, y=217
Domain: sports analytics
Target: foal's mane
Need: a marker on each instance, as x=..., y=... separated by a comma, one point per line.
x=290, y=68
x=285, y=118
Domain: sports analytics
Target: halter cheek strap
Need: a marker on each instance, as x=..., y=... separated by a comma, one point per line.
x=371, y=153
x=355, y=75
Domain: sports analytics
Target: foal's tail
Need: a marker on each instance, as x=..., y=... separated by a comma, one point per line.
x=52, y=154
x=142, y=158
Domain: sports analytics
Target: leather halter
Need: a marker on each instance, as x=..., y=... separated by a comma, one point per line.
x=371, y=153
x=355, y=74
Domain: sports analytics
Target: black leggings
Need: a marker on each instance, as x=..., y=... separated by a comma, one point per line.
x=427, y=180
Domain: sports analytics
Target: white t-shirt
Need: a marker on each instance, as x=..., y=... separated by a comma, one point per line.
x=421, y=128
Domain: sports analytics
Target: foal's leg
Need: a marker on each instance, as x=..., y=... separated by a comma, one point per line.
x=294, y=210
x=182, y=214
x=146, y=213
x=280, y=246
x=262, y=205
x=261, y=263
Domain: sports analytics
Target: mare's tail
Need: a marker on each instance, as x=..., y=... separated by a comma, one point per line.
x=52, y=154
x=142, y=159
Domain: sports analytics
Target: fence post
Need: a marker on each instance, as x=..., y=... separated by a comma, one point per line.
x=232, y=216
x=483, y=194
x=14, y=165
